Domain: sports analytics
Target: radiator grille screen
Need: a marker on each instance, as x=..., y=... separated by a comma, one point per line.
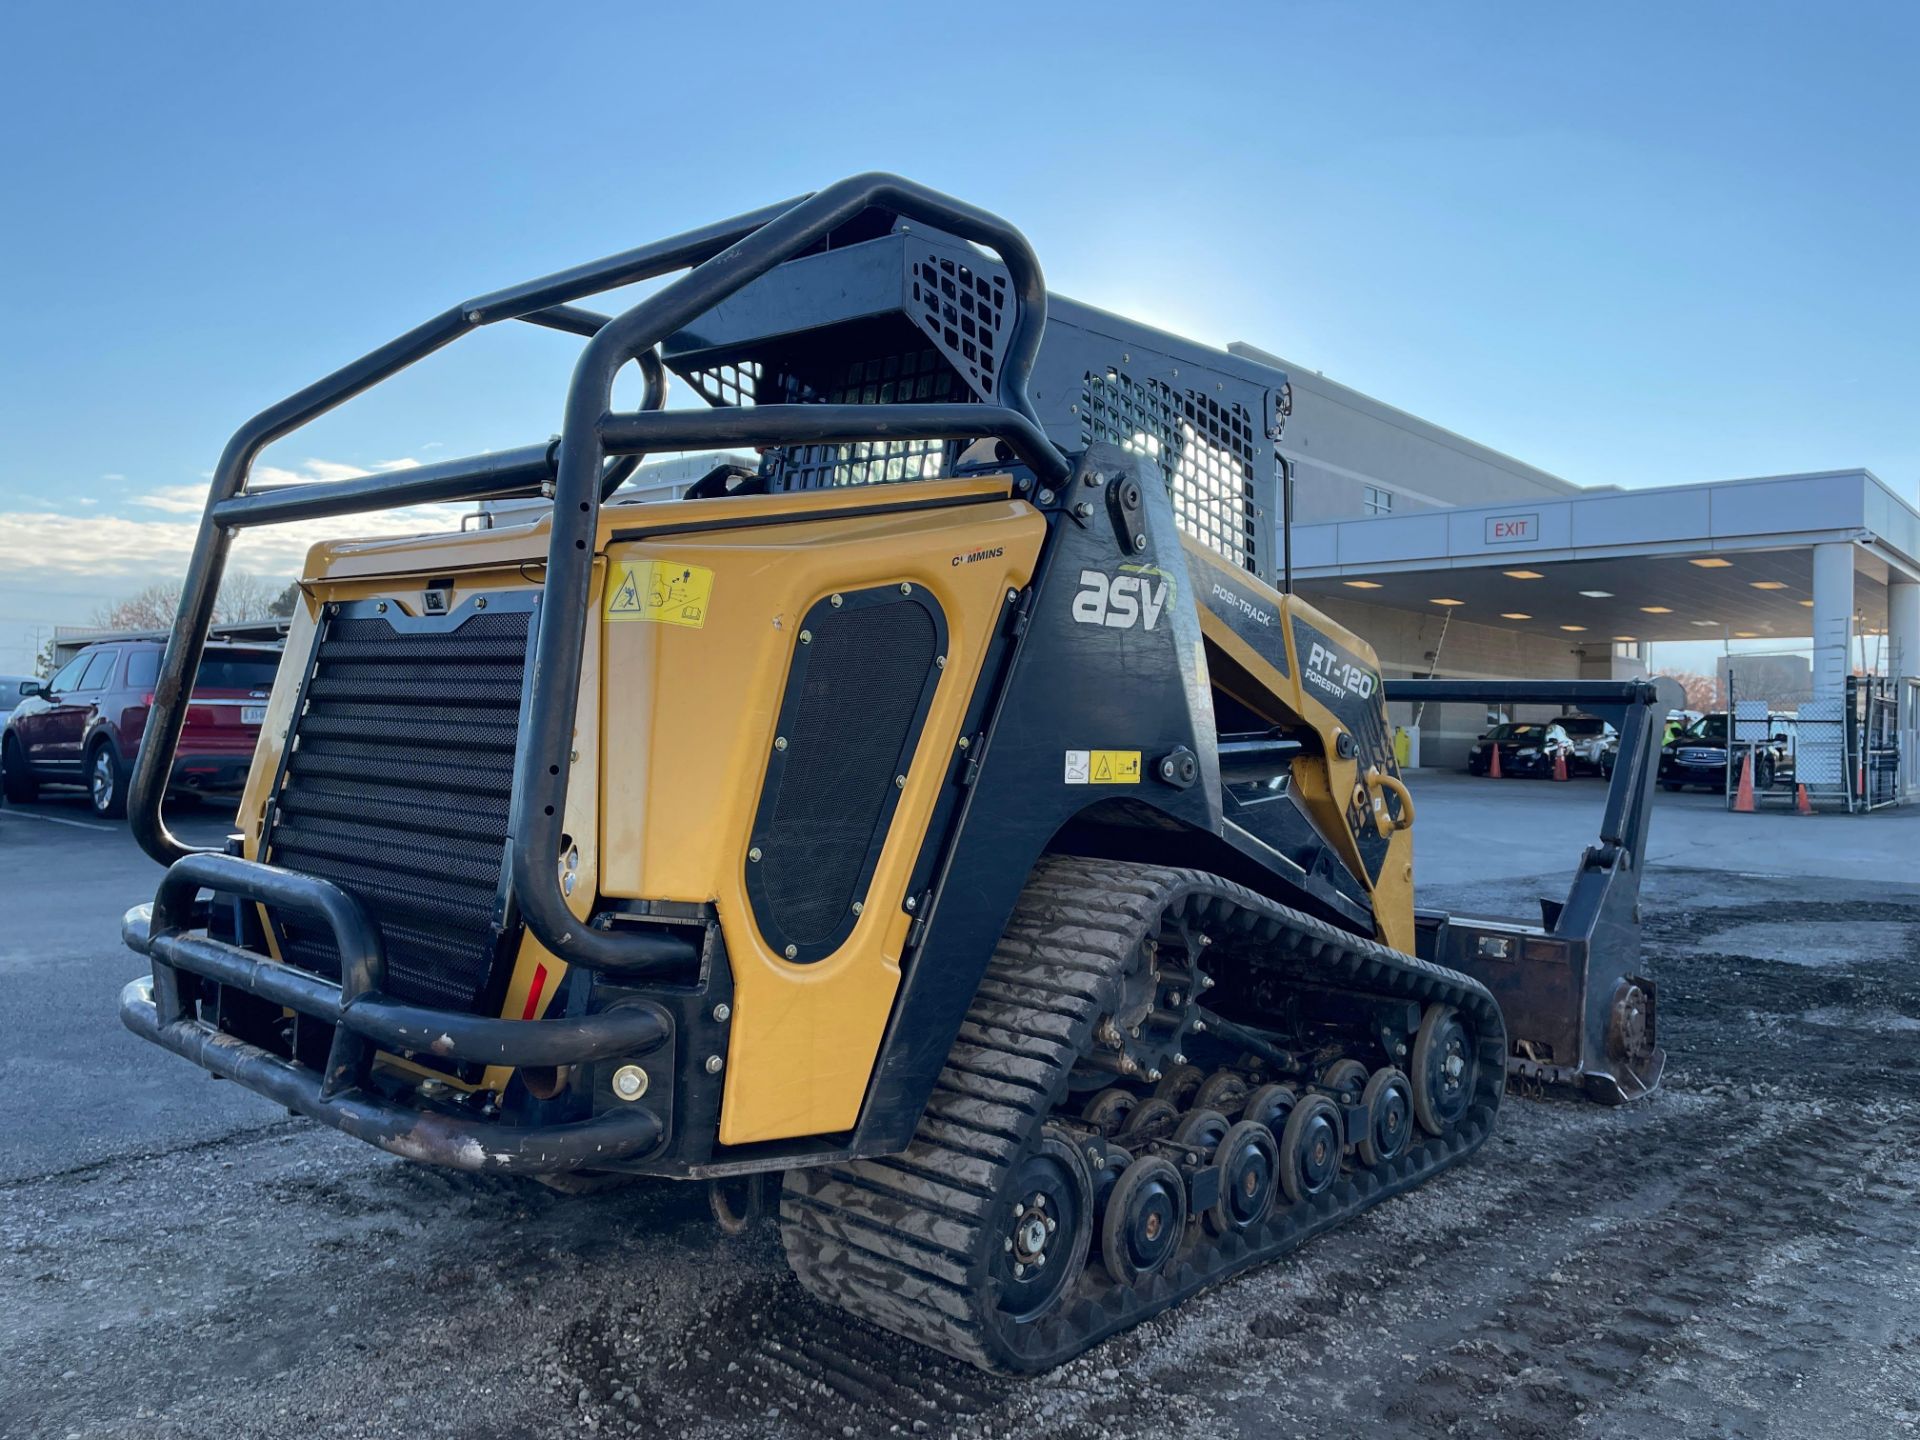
x=846, y=726
x=397, y=791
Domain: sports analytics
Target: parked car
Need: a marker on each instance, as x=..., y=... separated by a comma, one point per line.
x=13, y=689
x=83, y=726
x=1697, y=755
x=1525, y=749
x=1594, y=742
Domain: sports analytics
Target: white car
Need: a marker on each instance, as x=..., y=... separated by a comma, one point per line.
x=13, y=689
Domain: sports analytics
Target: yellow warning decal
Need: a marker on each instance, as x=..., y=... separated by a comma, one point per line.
x=665, y=591
x=1103, y=767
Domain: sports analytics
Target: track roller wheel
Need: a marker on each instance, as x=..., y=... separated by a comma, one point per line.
x=1346, y=1077
x=1310, y=1149
x=1179, y=1084
x=1201, y=1129
x=1146, y=1218
x=1043, y=1240
x=1270, y=1105
x=1224, y=1090
x=1389, y=1101
x=1150, y=1119
x=1109, y=1110
x=1105, y=1178
x=1249, y=1161
x=1446, y=1068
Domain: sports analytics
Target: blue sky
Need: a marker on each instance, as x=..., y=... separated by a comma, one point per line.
x=1638, y=244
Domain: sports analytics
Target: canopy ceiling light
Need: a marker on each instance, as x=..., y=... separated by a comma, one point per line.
x=1598, y=594
x=1712, y=562
x=1360, y=584
x=1768, y=584
x=1523, y=574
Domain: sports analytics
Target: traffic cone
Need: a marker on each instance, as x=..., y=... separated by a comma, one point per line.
x=1801, y=804
x=1743, y=797
x=1559, y=764
x=1493, y=769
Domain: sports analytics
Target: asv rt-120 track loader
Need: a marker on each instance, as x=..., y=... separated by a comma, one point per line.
x=946, y=813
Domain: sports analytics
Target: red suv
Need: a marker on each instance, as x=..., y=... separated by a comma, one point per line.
x=83, y=726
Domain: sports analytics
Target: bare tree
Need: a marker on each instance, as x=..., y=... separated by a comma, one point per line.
x=242, y=597
x=1702, y=691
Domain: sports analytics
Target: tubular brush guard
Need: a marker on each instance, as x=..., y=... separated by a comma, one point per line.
x=170, y=933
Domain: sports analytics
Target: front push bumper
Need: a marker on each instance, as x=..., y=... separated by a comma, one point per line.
x=366, y=1022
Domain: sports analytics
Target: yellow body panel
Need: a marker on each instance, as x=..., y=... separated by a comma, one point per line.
x=689, y=716
x=1324, y=782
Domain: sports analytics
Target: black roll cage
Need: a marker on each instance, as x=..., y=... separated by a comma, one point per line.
x=595, y=451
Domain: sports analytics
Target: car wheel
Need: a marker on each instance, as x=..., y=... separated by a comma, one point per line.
x=106, y=781
x=15, y=778
x=1763, y=773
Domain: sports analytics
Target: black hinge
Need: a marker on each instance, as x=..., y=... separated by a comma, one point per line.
x=1022, y=614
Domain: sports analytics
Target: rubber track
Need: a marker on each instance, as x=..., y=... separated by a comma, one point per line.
x=898, y=1240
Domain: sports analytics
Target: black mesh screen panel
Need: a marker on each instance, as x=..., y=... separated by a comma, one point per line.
x=858, y=697
x=396, y=789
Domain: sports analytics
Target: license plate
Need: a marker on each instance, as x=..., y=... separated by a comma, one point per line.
x=253, y=715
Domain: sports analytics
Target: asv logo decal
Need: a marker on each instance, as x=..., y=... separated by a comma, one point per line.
x=1120, y=602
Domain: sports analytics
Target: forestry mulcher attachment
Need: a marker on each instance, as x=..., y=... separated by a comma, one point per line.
x=952, y=813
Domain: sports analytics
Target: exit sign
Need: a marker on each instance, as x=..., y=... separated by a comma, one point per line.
x=1512, y=529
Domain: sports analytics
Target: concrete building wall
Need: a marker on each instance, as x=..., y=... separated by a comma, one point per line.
x=1344, y=444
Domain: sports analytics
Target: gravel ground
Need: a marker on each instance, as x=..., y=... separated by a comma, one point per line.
x=1736, y=1256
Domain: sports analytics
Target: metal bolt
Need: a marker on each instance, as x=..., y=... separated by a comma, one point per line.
x=899, y=782
x=1012, y=595
x=1095, y=1158
x=754, y=854
x=1153, y=1077
x=381, y=607
x=722, y=1012
x=792, y=951
x=1139, y=542
x=1019, y=1271
x=715, y=1064
x=566, y=883
x=779, y=742
x=1083, y=509
x=1009, y=1243
x=835, y=601
x=913, y=904
x=905, y=588
x=856, y=907
x=1046, y=497
x=573, y=756
x=1052, y=1224
x=1199, y=1027
x=940, y=662
x=806, y=637
x=629, y=1082
x=1179, y=1059
x=963, y=742
x=481, y=603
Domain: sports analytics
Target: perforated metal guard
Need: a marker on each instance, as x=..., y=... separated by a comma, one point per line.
x=885, y=380
x=1206, y=450
x=965, y=313
x=851, y=717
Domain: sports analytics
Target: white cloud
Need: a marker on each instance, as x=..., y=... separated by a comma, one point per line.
x=175, y=499
x=124, y=551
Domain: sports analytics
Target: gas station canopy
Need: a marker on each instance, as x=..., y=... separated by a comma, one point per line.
x=1792, y=557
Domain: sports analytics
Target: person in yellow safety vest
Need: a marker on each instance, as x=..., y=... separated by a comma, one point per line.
x=1402, y=746
x=1673, y=729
